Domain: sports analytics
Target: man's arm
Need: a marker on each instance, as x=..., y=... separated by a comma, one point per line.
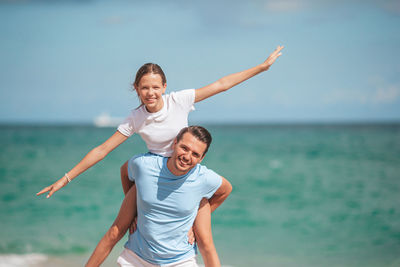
x=220, y=195
x=202, y=224
x=203, y=234
x=117, y=230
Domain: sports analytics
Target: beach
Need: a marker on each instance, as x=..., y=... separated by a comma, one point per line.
x=303, y=194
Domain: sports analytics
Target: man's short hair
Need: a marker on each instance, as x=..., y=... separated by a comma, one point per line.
x=199, y=132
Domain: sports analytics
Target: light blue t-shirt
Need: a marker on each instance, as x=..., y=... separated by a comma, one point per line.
x=167, y=206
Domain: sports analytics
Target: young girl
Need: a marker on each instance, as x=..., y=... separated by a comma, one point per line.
x=158, y=120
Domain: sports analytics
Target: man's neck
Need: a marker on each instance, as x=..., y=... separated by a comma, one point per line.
x=172, y=169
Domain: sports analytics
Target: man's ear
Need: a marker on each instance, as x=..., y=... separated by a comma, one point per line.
x=174, y=144
x=164, y=88
x=202, y=158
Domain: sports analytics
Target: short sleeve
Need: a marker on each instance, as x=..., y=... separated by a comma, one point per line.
x=133, y=166
x=212, y=182
x=127, y=127
x=184, y=98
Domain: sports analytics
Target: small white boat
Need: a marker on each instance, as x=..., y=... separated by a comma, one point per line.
x=105, y=120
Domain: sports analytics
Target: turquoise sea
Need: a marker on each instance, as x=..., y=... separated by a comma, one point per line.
x=304, y=195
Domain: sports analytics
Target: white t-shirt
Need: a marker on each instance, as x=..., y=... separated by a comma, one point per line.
x=159, y=129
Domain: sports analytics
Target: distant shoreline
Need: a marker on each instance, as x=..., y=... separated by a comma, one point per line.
x=359, y=123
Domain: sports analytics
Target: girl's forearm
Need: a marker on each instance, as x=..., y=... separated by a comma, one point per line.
x=97, y=154
x=94, y=156
x=231, y=80
x=91, y=158
x=234, y=79
x=226, y=83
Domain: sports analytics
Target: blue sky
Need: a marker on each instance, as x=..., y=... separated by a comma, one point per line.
x=69, y=61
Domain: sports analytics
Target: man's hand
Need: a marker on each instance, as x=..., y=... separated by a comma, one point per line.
x=133, y=226
x=191, y=238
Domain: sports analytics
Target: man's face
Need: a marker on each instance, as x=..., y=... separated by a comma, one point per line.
x=188, y=152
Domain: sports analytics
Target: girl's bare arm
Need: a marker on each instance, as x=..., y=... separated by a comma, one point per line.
x=231, y=80
x=94, y=156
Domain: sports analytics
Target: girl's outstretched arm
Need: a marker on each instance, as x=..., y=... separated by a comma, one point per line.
x=94, y=156
x=231, y=80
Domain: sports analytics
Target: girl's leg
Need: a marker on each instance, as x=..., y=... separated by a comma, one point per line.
x=202, y=231
x=126, y=183
x=126, y=186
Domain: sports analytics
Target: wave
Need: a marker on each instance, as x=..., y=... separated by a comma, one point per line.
x=17, y=260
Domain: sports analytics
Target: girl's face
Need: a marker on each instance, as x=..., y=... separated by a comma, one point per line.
x=150, y=90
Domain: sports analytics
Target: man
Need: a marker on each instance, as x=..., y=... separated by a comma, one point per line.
x=169, y=192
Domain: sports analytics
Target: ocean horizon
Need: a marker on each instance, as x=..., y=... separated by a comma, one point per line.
x=306, y=122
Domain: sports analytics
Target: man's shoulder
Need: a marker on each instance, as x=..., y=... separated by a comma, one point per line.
x=209, y=180
x=146, y=159
x=202, y=170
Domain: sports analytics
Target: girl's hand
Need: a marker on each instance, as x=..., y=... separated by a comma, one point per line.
x=271, y=59
x=54, y=187
x=94, y=156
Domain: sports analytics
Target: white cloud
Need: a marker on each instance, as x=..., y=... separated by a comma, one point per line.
x=391, y=6
x=284, y=5
x=386, y=94
x=113, y=20
x=344, y=96
x=377, y=96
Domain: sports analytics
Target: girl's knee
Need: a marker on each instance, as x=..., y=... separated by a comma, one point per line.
x=124, y=168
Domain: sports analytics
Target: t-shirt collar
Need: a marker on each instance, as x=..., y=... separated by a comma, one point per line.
x=159, y=115
x=170, y=174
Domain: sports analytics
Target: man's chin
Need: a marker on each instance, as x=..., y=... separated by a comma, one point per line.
x=183, y=168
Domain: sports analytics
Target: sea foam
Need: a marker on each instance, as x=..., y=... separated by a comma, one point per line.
x=16, y=260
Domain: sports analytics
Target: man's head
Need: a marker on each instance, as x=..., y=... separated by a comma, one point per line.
x=190, y=147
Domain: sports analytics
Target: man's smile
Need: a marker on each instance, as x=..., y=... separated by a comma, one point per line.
x=183, y=162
